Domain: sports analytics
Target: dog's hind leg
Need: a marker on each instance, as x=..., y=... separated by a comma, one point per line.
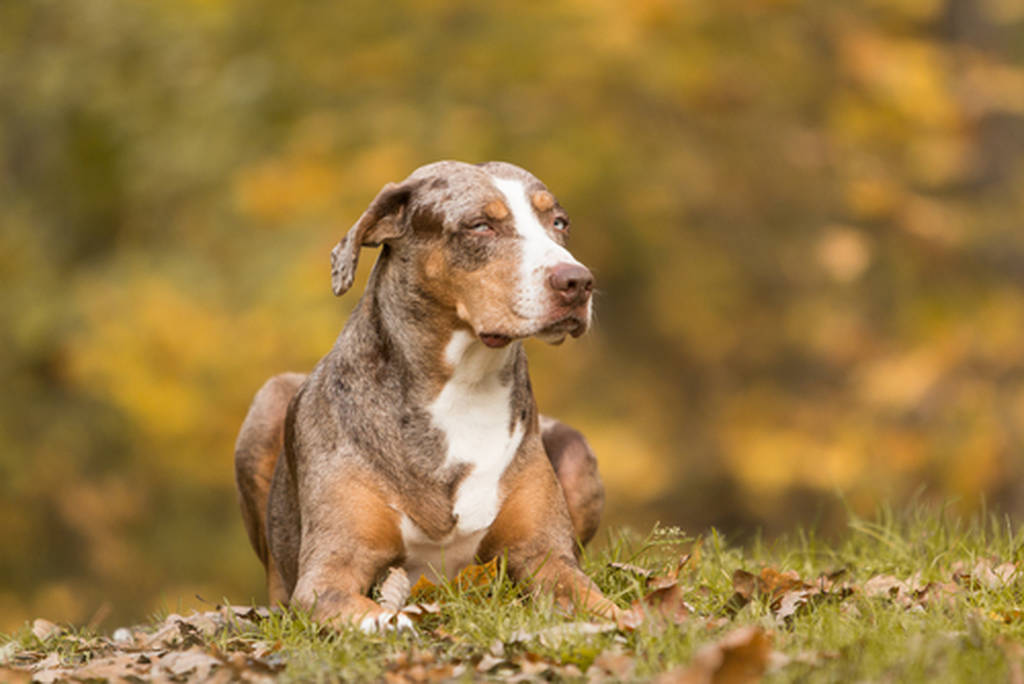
x=256, y=451
x=576, y=467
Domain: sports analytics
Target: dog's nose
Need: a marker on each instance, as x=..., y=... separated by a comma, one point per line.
x=571, y=282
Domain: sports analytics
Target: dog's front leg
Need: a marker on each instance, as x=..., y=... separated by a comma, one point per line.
x=349, y=536
x=533, y=529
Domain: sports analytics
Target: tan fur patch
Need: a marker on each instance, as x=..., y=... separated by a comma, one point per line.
x=484, y=296
x=496, y=210
x=374, y=522
x=434, y=265
x=542, y=200
x=523, y=513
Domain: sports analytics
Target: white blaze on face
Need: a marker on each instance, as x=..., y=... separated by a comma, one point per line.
x=539, y=253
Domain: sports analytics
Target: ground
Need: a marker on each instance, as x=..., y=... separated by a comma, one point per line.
x=918, y=596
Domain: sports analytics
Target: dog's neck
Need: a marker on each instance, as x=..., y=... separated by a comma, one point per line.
x=422, y=337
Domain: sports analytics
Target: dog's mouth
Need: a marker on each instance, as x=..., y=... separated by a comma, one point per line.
x=571, y=325
x=494, y=340
x=552, y=333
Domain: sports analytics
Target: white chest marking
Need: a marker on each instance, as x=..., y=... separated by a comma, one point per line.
x=474, y=411
x=539, y=251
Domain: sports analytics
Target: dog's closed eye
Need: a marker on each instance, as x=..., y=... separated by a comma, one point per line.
x=481, y=228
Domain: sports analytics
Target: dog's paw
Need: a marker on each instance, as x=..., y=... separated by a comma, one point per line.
x=387, y=621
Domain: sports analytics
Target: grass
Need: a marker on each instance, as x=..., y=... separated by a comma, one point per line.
x=953, y=624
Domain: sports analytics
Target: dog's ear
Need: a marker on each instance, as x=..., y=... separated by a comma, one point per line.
x=381, y=221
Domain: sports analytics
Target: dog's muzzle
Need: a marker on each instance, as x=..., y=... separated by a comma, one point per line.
x=572, y=283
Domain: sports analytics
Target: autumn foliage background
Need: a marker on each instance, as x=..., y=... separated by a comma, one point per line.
x=806, y=220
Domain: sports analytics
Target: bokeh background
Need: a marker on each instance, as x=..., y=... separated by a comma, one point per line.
x=806, y=219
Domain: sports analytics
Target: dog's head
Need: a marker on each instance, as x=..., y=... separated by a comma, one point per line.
x=486, y=241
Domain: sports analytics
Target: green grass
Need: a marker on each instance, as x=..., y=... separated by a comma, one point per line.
x=971, y=633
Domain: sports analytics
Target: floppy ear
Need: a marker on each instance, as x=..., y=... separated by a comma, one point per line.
x=381, y=221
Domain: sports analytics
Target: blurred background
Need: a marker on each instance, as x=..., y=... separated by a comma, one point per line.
x=806, y=220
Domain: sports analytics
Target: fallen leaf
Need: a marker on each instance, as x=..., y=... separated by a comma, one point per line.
x=633, y=569
x=885, y=586
x=632, y=618
x=616, y=663
x=827, y=580
x=469, y=577
x=791, y=602
x=477, y=575
x=739, y=657
x=489, y=663
x=770, y=583
x=49, y=676
x=665, y=602
x=8, y=651
x=984, y=575
x=112, y=668
x=744, y=583
x=206, y=624
x=44, y=629
x=11, y=676
x=395, y=590
x=423, y=588
x=48, y=663
x=553, y=636
x=774, y=584
x=179, y=663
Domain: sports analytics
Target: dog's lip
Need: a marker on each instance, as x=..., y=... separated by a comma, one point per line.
x=572, y=324
x=495, y=340
x=567, y=325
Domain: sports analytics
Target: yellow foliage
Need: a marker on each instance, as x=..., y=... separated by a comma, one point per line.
x=910, y=75
x=633, y=469
x=280, y=189
x=844, y=253
x=901, y=381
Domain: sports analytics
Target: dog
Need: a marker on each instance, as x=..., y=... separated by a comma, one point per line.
x=416, y=441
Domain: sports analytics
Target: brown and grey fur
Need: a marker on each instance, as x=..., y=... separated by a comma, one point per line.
x=330, y=464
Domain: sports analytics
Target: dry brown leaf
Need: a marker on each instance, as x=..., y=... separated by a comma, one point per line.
x=827, y=580
x=774, y=583
x=633, y=569
x=631, y=618
x=987, y=576
x=423, y=588
x=206, y=624
x=770, y=583
x=553, y=636
x=885, y=586
x=739, y=657
x=112, y=667
x=9, y=675
x=744, y=585
x=180, y=663
x=994, y=577
x=477, y=575
x=470, y=576
x=785, y=592
x=488, y=663
x=616, y=663
x=395, y=590
x=666, y=602
x=50, y=662
x=791, y=602
x=44, y=629
x=50, y=676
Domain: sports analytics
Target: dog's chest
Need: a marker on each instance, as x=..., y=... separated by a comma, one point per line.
x=474, y=413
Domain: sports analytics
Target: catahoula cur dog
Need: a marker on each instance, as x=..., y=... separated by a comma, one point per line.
x=416, y=441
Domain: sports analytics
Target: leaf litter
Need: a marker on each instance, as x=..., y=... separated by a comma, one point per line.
x=217, y=645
